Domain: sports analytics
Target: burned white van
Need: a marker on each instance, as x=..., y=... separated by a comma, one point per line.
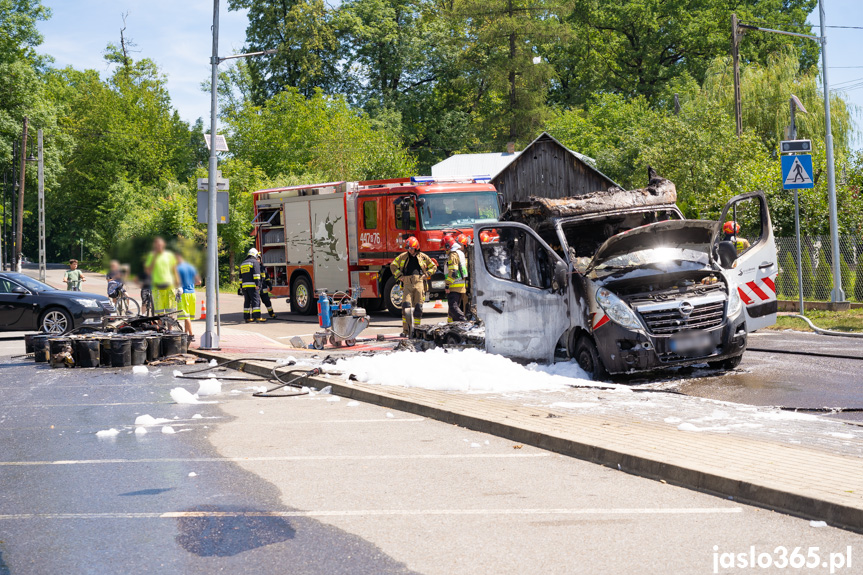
x=622, y=283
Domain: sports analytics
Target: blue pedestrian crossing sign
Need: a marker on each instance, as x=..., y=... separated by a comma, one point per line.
x=797, y=172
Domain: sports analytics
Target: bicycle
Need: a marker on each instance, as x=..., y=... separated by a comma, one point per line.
x=125, y=305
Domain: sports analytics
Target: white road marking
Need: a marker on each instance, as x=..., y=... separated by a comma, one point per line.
x=208, y=421
x=277, y=458
x=382, y=513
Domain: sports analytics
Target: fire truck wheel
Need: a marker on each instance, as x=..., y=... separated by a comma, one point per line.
x=393, y=297
x=302, y=301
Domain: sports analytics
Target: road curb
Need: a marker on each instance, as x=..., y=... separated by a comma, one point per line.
x=798, y=504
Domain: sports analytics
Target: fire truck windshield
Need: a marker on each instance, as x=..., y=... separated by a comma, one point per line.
x=458, y=209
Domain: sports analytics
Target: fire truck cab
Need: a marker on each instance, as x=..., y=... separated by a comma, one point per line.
x=344, y=235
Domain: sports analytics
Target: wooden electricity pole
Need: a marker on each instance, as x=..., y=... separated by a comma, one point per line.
x=736, y=34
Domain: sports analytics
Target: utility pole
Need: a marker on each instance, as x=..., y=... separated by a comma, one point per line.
x=210, y=339
x=837, y=295
x=3, y=249
x=736, y=34
x=42, y=265
x=20, y=231
x=513, y=100
x=12, y=203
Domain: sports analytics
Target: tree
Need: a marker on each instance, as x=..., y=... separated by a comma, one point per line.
x=307, y=41
x=808, y=278
x=858, y=283
x=788, y=276
x=20, y=35
x=823, y=280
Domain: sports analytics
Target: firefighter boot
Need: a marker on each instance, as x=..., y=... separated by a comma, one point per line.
x=271, y=312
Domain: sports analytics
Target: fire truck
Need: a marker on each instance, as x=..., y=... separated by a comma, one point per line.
x=343, y=235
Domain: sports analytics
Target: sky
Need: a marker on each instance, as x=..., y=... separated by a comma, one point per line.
x=176, y=35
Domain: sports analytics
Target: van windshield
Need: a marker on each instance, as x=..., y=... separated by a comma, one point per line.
x=458, y=209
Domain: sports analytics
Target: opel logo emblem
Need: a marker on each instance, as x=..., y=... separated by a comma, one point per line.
x=685, y=308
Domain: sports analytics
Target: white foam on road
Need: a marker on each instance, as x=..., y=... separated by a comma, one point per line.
x=469, y=370
x=209, y=387
x=181, y=395
x=108, y=433
x=148, y=419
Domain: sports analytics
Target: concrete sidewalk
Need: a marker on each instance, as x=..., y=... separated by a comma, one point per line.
x=799, y=480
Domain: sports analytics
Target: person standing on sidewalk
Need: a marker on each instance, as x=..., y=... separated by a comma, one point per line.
x=73, y=277
x=411, y=269
x=456, y=278
x=250, y=278
x=161, y=266
x=266, y=285
x=189, y=278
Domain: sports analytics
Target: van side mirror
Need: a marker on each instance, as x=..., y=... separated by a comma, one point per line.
x=727, y=252
x=561, y=276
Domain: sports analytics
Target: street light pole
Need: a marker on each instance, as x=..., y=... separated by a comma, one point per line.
x=41, y=198
x=837, y=295
x=210, y=339
x=20, y=233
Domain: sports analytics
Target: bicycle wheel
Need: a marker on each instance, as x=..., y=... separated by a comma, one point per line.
x=131, y=307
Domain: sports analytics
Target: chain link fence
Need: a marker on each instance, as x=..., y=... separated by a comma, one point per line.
x=817, y=266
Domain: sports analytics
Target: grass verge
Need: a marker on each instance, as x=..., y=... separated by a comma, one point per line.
x=851, y=320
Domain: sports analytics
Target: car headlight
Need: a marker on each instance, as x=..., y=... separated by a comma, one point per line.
x=619, y=312
x=734, y=303
x=88, y=303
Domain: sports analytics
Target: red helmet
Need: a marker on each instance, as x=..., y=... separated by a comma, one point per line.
x=731, y=228
x=448, y=241
x=412, y=242
x=463, y=239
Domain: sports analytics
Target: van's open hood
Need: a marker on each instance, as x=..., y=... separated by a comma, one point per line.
x=672, y=234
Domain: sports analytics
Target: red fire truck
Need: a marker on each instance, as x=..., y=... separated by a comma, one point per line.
x=344, y=235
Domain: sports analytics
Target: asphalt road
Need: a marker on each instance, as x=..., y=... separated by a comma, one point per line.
x=315, y=485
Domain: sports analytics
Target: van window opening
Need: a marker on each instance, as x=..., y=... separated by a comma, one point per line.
x=458, y=209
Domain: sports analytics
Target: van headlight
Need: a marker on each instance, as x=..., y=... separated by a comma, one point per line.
x=734, y=303
x=619, y=312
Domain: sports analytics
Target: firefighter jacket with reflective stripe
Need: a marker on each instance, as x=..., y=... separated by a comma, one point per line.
x=428, y=265
x=250, y=273
x=456, y=271
x=266, y=282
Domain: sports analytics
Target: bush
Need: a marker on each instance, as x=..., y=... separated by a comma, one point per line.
x=823, y=280
x=787, y=280
x=808, y=278
x=847, y=277
x=858, y=283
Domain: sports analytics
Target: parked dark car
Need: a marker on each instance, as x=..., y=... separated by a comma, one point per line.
x=29, y=305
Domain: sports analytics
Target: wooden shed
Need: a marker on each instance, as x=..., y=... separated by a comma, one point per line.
x=548, y=169
x=545, y=168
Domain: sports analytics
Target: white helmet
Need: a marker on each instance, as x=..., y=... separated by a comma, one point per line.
x=253, y=252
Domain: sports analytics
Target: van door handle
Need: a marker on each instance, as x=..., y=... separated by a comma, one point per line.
x=495, y=304
x=765, y=265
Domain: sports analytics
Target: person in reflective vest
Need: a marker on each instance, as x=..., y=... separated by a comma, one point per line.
x=411, y=269
x=250, y=278
x=731, y=231
x=456, y=278
x=266, y=286
x=465, y=242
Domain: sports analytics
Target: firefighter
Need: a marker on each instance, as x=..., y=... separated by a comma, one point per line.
x=456, y=278
x=465, y=242
x=266, y=286
x=250, y=276
x=731, y=229
x=411, y=269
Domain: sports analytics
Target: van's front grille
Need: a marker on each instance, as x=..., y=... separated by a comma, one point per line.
x=672, y=317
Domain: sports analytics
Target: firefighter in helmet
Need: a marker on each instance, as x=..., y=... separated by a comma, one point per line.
x=731, y=230
x=456, y=278
x=411, y=269
x=465, y=242
x=250, y=278
x=266, y=286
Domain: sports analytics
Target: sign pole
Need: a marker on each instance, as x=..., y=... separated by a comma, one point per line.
x=793, y=136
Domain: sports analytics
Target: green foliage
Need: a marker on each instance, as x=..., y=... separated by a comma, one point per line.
x=823, y=280
x=808, y=277
x=787, y=281
x=847, y=276
x=858, y=283
x=19, y=35
x=294, y=135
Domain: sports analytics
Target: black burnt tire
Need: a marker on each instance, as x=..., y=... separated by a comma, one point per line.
x=394, y=308
x=587, y=357
x=726, y=364
x=302, y=296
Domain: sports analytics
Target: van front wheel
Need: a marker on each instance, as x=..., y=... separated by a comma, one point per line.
x=587, y=357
